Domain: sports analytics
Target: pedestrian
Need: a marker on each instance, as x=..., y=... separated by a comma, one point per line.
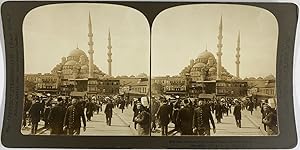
x=154, y=109
x=135, y=112
x=56, y=118
x=122, y=104
x=164, y=116
x=237, y=113
x=185, y=118
x=35, y=115
x=270, y=120
x=109, y=112
x=250, y=106
x=47, y=111
x=89, y=110
x=218, y=112
x=27, y=105
x=202, y=116
x=73, y=117
x=263, y=114
x=143, y=119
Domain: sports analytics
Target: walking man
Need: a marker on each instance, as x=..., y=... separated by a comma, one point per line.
x=202, y=116
x=56, y=118
x=237, y=113
x=72, y=120
x=185, y=119
x=164, y=116
x=108, y=112
x=35, y=115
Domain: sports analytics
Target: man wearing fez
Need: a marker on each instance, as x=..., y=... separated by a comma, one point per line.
x=72, y=121
x=56, y=117
x=202, y=115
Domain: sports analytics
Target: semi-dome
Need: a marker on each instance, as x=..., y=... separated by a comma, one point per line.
x=71, y=63
x=212, y=69
x=84, y=67
x=199, y=65
x=77, y=53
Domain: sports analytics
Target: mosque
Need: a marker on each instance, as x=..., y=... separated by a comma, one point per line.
x=206, y=77
x=206, y=67
x=77, y=75
x=78, y=65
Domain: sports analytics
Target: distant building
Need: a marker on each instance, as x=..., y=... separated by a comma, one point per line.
x=76, y=75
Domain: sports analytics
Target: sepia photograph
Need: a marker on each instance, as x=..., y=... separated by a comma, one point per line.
x=213, y=71
x=86, y=70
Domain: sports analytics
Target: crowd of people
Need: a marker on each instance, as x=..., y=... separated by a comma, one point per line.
x=194, y=116
x=190, y=116
x=65, y=116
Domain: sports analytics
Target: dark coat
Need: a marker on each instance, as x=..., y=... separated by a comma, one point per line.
x=56, y=119
x=73, y=117
x=202, y=115
x=164, y=114
x=219, y=110
x=250, y=106
x=122, y=104
x=108, y=110
x=135, y=112
x=185, y=120
x=237, y=112
x=35, y=112
x=90, y=107
x=143, y=119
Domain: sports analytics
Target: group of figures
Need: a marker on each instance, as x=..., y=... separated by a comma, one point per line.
x=195, y=116
x=190, y=116
x=66, y=116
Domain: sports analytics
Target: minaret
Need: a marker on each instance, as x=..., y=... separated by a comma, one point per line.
x=109, y=60
x=219, y=53
x=91, y=50
x=237, y=62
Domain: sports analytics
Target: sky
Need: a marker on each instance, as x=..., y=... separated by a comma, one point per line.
x=182, y=33
x=53, y=31
x=178, y=35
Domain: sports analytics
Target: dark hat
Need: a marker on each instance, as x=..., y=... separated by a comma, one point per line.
x=186, y=101
x=59, y=99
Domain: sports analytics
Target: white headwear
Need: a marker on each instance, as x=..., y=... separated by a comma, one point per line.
x=144, y=101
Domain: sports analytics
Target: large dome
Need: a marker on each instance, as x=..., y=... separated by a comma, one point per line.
x=77, y=53
x=206, y=55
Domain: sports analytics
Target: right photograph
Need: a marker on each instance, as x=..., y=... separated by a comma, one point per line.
x=213, y=71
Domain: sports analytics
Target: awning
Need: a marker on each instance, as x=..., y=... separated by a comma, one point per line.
x=78, y=94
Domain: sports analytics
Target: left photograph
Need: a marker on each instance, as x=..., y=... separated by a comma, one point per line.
x=86, y=71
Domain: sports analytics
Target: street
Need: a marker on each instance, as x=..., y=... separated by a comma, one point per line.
x=122, y=125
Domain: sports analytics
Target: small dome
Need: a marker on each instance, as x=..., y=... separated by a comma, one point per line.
x=270, y=77
x=199, y=65
x=77, y=53
x=212, y=69
x=84, y=67
x=71, y=63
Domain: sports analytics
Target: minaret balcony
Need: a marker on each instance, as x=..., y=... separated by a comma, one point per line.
x=220, y=45
x=90, y=34
x=91, y=43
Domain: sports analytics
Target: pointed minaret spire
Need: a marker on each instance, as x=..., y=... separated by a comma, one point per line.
x=219, y=53
x=109, y=47
x=237, y=62
x=91, y=49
